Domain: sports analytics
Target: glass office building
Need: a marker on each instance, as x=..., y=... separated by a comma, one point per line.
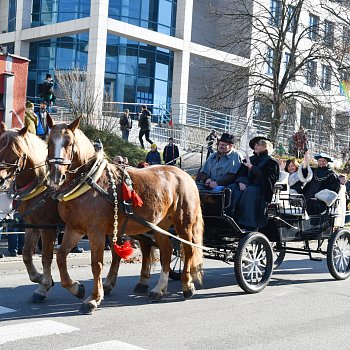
x=135, y=71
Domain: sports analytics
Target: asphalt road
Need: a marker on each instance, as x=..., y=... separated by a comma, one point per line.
x=302, y=308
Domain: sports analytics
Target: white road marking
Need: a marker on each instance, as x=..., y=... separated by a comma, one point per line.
x=33, y=329
x=5, y=310
x=108, y=345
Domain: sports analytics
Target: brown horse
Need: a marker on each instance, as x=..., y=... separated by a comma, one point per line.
x=23, y=159
x=170, y=198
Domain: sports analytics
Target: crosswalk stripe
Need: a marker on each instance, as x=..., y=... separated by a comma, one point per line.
x=108, y=345
x=6, y=310
x=33, y=329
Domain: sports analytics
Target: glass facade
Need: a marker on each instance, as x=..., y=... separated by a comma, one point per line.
x=137, y=72
x=55, y=11
x=56, y=53
x=157, y=15
x=11, y=27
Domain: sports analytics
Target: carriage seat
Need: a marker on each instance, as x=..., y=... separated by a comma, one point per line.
x=292, y=204
x=214, y=203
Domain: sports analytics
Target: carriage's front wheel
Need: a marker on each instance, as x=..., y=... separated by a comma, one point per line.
x=253, y=262
x=176, y=264
x=338, y=254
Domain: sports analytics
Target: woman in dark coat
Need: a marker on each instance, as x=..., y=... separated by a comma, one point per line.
x=256, y=179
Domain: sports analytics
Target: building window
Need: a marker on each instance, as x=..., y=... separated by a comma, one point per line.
x=276, y=12
x=270, y=61
x=292, y=25
x=157, y=15
x=328, y=38
x=346, y=39
x=311, y=73
x=48, y=12
x=11, y=25
x=289, y=66
x=61, y=53
x=314, y=25
x=138, y=72
x=326, y=78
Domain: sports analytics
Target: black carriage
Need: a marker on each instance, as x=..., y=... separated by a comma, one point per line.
x=257, y=254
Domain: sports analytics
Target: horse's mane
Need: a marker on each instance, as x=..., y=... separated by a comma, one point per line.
x=31, y=145
x=83, y=146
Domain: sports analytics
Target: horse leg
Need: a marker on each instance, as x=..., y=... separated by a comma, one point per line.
x=48, y=238
x=111, y=278
x=165, y=250
x=97, y=243
x=193, y=257
x=143, y=284
x=70, y=239
x=31, y=239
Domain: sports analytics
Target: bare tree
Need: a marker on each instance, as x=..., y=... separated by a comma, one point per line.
x=289, y=47
x=76, y=88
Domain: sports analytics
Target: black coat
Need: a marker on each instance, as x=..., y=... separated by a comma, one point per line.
x=323, y=178
x=250, y=204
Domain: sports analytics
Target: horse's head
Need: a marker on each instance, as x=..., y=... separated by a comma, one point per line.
x=12, y=156
x=61, y=150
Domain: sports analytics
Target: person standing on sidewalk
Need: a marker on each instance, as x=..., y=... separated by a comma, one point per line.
x=145, y=125
x=15, y=240
x=125, y=123
x=170, y=153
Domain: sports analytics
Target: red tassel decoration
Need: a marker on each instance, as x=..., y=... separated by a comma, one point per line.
x=136, y=199
x=126, y=192
x=124, y=251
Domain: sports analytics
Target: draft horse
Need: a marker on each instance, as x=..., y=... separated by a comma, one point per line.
x=170, y=198
x=23, y=160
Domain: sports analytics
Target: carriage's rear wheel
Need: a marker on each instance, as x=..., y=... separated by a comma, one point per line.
x=338, y=254
x=279, y=253
x=253, y=262
x=176, y=265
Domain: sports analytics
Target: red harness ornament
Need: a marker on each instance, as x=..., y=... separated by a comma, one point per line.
x=124, y=251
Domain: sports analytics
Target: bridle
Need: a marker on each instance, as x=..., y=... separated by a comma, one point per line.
x=62, y=161
x=16, y=168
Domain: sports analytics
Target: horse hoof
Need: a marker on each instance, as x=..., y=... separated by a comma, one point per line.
x=141, y=288
x=87, y=309
x=37, y=298
x=188, y=294
x=107, y=290
x=154, y=297
x=81, y=291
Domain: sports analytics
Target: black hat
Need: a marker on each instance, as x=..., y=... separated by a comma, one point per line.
x=227, y=138
x=256, y=139
x=326, y=156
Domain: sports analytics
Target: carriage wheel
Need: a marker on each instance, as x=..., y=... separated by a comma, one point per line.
x=338, y=254
x=176, y=265
x=253, y=262
x=279, y=254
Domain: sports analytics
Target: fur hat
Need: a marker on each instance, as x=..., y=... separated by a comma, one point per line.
x=225, y=137
x=327, y=157
x=29, y=104
x=256, y=139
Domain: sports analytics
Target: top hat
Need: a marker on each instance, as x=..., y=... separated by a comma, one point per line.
x=256, y=139
x=225, y=137
x=327, y=157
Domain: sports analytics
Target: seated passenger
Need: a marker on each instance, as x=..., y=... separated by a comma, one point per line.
x=323, y=178
x=256, y=179
x=291, y=174
x=220, y=168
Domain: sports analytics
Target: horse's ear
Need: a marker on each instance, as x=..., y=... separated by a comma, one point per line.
x=50, y=121
x=23, y=131
x=3, y=127
x=74, y=125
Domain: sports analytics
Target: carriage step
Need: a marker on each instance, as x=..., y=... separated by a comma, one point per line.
x=317, y=258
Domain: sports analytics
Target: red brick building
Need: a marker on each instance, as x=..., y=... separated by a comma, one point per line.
x=13, y=89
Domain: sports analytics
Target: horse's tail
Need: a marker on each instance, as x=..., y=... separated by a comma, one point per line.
x=196, y=267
